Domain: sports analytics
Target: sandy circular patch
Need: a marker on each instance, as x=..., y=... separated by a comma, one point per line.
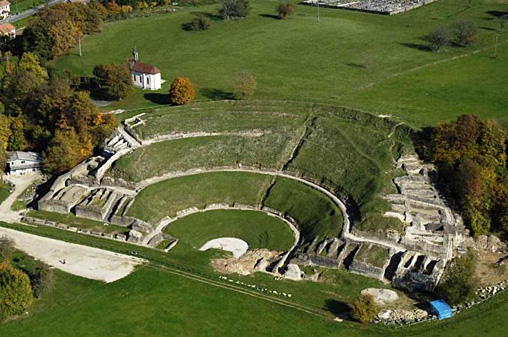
x=236, y=246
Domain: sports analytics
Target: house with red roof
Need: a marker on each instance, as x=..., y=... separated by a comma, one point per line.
x=145, y=76
x=7, y=29
x=5, y=9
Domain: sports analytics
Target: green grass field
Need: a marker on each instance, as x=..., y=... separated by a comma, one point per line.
x=258, y=229
x=170, y=196
x=348, y=58
x=4, y=191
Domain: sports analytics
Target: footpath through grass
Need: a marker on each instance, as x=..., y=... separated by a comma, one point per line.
x=256, y=228
x=343, y=59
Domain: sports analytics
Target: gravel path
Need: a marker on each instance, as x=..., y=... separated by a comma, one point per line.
x=84, y=261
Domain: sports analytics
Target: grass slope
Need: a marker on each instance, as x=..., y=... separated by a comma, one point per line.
x=170, y=196
x=268, y=151
x=258, y=229
x=4, y=191
x=341, y=59
x=315, y=213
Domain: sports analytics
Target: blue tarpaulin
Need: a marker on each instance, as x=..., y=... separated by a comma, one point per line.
x=442, y=309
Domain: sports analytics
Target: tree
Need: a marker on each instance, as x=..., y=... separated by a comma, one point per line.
x=234, y=9
x=364, y=308
x=41, y=279
x=459, y=282
x=15, y=292
x=465, y=32
x=245, y=85
x=439, y=38
x=66, y=150
x=64, y=36
x=200, y=22
x=114, y=80
x=285, y=8
x=181, y=91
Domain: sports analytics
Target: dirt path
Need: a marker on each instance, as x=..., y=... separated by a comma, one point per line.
x=21, y=183
x=84, y=261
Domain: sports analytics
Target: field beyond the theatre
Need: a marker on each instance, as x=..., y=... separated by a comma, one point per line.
x=373, y=62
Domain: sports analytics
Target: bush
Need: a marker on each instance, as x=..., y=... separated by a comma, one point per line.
x=41, y=279
x=245, y=85
x=465, y=32
x=15, y=292
x=200, y=22
x=285, y=9
x=6, y=249
x=233, y=9
x=439, y=38
x=181, y=91
x=364, y=308
x=459, y=282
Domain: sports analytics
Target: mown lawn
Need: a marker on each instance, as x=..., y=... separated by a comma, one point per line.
x=4, y=191
x=258, y=229
x=341, y=59
x=170, y=196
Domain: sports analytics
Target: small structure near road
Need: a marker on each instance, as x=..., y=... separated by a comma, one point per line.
x=5, y=9
x=8, y=30
x=145, y=76
x=441, y=309
x=21, y=163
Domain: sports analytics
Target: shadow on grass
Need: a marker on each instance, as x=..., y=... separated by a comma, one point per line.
x=497, y=14
x=211, y=16
x=356, y=65
x=270, y=16
x=217, y=94
x=156, y=98
x=338, y=309
x=417, y=46
x=489, y=29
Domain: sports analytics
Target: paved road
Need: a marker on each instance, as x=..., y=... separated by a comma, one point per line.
x=28, y=12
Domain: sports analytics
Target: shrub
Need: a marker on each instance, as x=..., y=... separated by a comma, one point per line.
x=200, y=22
x=285, y=9
x=6, y=249
x=364, y=308
x=245, y=85
x=465, y=32
x=181, y=91
x=438, y=38
x=232, y=9
x=41, y=279
x=459, y=282
x=15, y=292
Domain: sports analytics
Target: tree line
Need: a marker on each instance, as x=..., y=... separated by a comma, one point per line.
x=470, y=155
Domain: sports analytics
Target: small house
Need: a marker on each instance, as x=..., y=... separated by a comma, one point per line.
x=8, y=30
x=21, y=163
x=5, y=9
x=441, y=309
x=145, y=76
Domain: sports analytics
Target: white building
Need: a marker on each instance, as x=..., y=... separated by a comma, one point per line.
x=21, y=163
x=5, y=9
x=7, y=29
x=145, y=76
